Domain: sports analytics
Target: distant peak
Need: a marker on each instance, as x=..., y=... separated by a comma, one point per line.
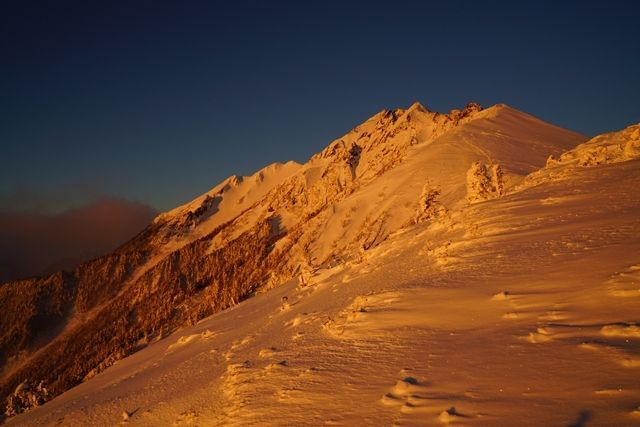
x=416, y=106
x=472, y=107
x=233, y=180
x=469, y=110
x=501, y=109
x=501, y=106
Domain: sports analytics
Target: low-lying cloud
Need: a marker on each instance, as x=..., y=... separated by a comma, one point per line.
x=40, y=243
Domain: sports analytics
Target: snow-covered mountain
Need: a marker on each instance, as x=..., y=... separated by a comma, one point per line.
x=458, y=254
x=338, y=202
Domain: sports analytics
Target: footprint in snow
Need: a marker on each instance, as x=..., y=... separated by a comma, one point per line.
x=187, y=417
x=186, y=339
x=414, y=397
x=618, y=355
x=625, y=284
x=559, y=331
x=268, y=352
x=302, y=319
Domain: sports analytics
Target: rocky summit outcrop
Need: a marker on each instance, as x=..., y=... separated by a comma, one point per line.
x=248, y=234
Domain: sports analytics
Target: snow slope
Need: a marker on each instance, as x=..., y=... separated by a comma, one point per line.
x=521, y=309
x=390, y=156
x=367, y=184
x=250, y=234
x=363, y=186
x=224, y=202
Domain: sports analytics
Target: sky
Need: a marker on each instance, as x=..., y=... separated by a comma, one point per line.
x=155, y=102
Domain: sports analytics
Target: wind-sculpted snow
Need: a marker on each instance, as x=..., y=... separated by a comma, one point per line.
x=251, y=234
x=519, y=310
x=611, y=147
x=608, y=148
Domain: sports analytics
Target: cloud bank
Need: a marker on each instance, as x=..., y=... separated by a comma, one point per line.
x=40, y=243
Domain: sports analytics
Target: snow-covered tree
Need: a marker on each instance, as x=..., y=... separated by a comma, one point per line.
x=484, y=182
x=429, y=207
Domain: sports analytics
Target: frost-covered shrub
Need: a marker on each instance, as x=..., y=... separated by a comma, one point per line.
x=25, y=397
x=429, y=206
x=484, y=182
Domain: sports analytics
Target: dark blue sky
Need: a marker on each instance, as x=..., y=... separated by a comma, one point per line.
x=157, y=101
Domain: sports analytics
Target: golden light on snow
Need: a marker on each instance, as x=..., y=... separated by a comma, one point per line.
x=423, y=269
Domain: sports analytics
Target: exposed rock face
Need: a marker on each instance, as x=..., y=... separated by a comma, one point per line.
x=244, y=236
x=186, y=286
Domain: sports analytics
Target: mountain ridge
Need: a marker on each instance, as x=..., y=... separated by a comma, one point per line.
x=495, y=301
x=250, y=234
